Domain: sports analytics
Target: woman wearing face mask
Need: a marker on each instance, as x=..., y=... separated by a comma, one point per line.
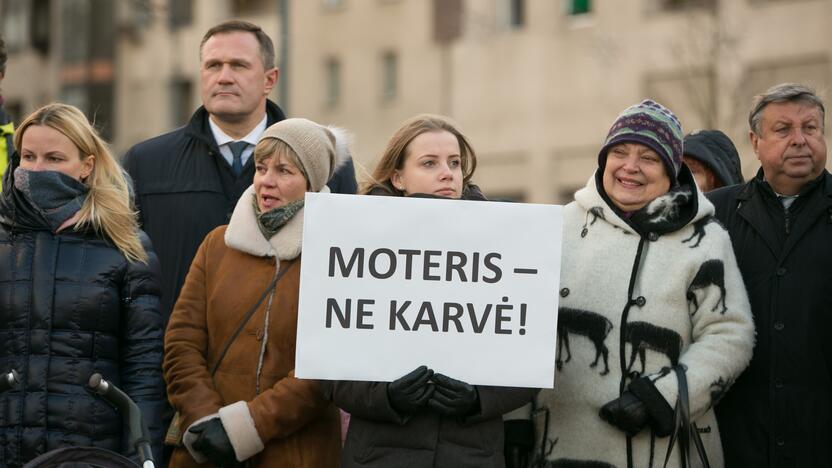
x=425, y=419
x=230, y=344
x=649, y=286
x=79, y=292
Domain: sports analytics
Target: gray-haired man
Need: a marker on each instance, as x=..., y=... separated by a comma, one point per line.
x=779, y=412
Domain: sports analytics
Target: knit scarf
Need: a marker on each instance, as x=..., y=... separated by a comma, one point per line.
x=56, y=196
x=271, y=221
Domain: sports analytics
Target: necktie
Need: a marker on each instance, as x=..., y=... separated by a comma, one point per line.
x=237, y=148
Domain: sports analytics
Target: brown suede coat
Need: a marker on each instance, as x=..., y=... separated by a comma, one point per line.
x=297, y=426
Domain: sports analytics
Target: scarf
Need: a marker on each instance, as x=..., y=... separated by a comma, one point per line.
x=271, y=221
x=56, y=196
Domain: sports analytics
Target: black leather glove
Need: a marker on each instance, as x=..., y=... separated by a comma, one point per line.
x=410, y=393
x=453, y=397
x=519, y=442
x=627, y=413
x=213, y=442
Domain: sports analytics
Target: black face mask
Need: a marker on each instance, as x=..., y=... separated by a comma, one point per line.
x=56, y=196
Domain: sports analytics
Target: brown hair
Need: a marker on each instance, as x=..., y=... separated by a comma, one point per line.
x=396, y=151
x=108, y=207
x=266, y=45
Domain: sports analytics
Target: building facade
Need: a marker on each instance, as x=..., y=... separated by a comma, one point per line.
x=535, y=84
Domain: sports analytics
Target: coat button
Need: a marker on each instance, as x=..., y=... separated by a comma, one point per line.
x=781, y=271
x=779, y=326
x=780, y=441
x=640, y=301
x=653, y=237
x=564, y=292
x=778, y=384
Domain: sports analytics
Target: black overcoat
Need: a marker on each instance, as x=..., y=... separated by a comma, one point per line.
x=779, y=412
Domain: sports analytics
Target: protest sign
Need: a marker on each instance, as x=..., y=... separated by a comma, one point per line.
x=468, y=288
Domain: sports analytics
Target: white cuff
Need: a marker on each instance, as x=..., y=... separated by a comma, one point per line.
x=188, y=438
x=239, y=425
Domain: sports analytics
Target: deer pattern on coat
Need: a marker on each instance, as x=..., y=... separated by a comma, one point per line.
x=711, y=273
x=699, y=230
x=594, y=326
x=643, y=336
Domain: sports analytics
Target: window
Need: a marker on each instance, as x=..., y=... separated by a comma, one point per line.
x=75, y=31
x=332, y=72
x=578, y=7
x=389, y=76
x=181, y=106
x=180, y=13
x=447, y=20
x=14, y=22
x=679, y=5
x=511, y=14
x=332, y=4
x=40, y=26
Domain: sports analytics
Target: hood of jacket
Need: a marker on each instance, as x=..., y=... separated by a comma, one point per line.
x=715, y=150
x=244, y=234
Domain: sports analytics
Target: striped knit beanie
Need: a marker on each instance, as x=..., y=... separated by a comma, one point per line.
x=652, y=125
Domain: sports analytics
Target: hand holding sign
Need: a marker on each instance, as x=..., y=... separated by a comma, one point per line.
x=411, y=392
x=453, y=397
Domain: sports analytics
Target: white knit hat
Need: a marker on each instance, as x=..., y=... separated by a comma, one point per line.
x=320, y=149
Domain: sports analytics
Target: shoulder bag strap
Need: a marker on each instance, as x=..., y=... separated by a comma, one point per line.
x=245, y=320
x=684, y=428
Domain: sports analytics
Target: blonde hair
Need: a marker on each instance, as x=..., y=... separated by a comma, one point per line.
x=396, y=152
x=108, y=207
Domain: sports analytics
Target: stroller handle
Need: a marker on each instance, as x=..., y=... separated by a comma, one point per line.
x=9, y=380
x=139, y=435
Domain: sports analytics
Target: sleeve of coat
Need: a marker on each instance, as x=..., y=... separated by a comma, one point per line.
x=288, y=406
x=190, y=386
x=366, y=400
x=722, y=329
x=141, y=342
x=496, y=401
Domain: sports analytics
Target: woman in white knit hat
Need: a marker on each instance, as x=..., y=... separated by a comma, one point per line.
x=235, y=401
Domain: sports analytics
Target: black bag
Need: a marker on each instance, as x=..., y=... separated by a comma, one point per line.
x=685, y=430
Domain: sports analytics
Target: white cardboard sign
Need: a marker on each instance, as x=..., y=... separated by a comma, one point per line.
x=468, y=288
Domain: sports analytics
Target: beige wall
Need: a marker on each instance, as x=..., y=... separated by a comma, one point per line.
x=535, y=101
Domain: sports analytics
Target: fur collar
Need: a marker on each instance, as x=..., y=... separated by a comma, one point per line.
x=244, y=235
x=681, y=206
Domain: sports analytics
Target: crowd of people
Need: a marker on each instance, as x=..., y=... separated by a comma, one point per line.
x=693, y=324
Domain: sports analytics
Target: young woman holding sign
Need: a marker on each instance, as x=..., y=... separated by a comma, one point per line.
x=653, y=310
x=230, y=344
x=425, y=419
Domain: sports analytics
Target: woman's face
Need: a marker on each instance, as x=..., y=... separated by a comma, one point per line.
x=432, y=165
x=277, y=181
x=46, y=149
x=634, y=176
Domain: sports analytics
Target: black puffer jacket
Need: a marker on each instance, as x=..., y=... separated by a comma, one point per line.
x=71, y=305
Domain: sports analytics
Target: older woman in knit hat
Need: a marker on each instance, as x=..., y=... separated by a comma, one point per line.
x=649, y=285
x=230, y=342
